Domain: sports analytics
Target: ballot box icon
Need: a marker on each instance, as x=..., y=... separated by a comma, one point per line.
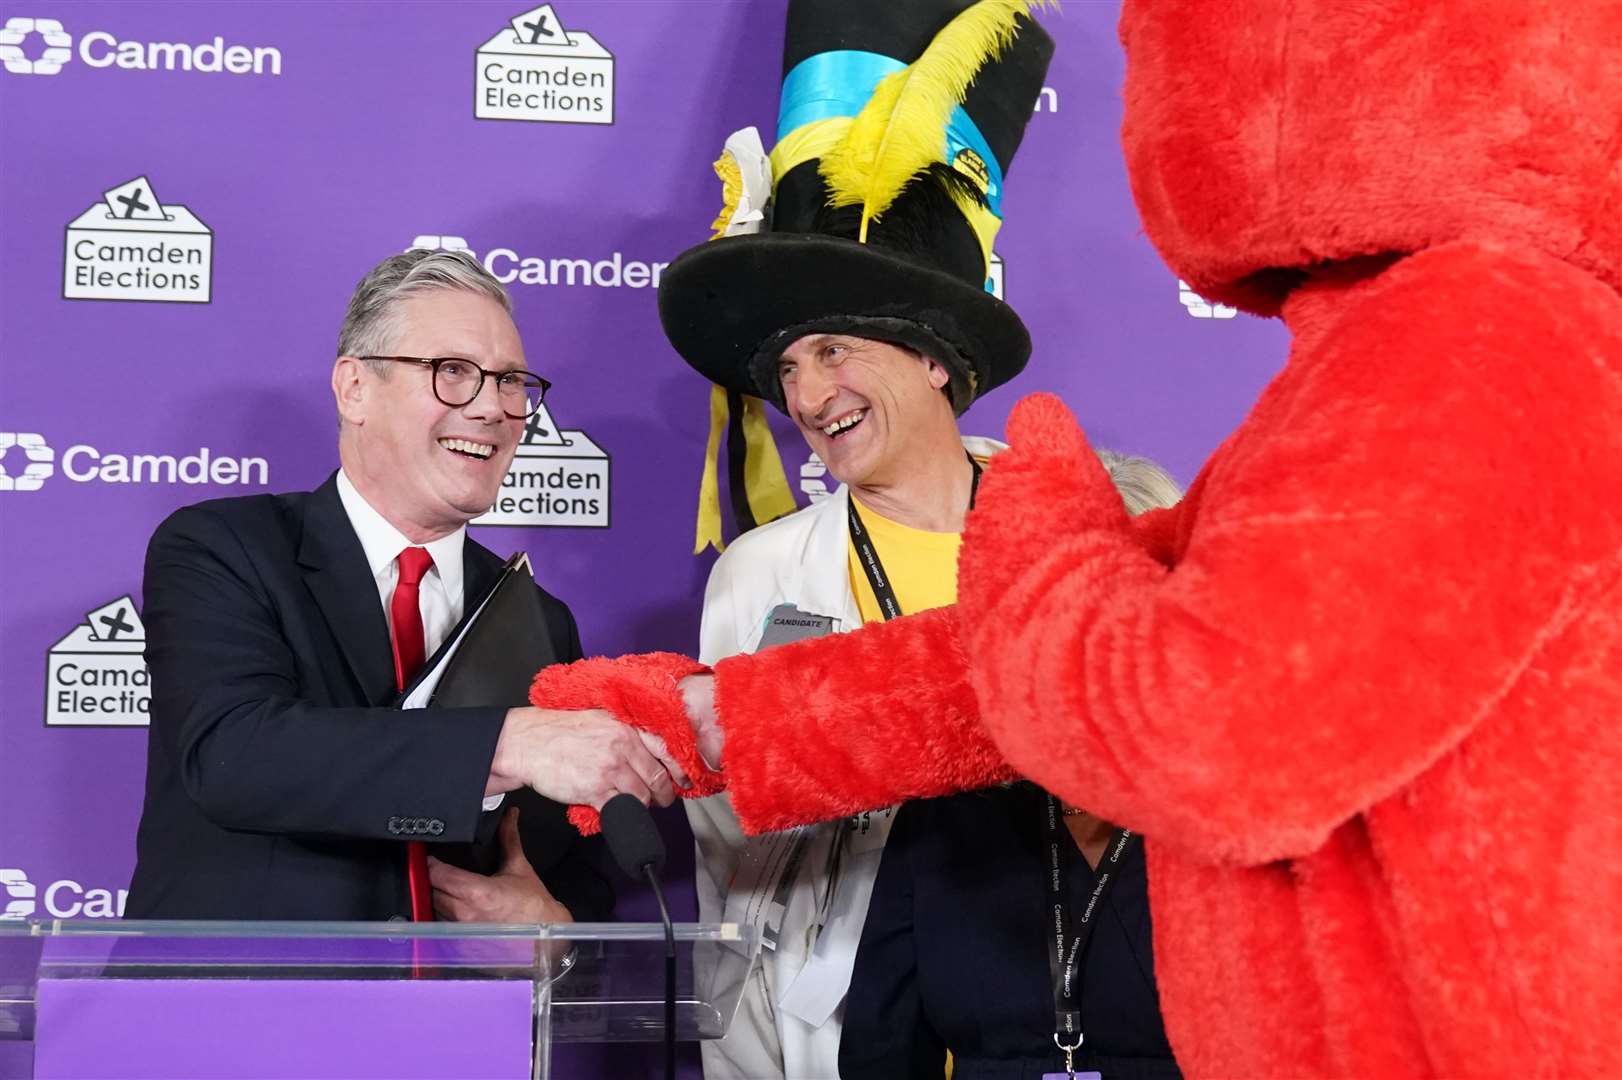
x=558, y=479
x=132, y=246
x=96, y=676
x=536, y=69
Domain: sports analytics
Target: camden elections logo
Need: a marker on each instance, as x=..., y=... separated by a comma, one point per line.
x=557, y=479
x=131, y=246
x=536, y=70
x=1198, y=307
x=102, y=49
x=38, y=461
x=96, y=676
x=65, y=899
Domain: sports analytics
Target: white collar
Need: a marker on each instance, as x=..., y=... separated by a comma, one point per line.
x=383, y=543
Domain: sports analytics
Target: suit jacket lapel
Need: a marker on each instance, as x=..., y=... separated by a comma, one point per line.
x=480, y=569
x=335, y=570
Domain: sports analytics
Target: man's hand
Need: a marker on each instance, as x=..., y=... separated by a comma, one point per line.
x=583, y=758
x=513, y=894
x=698, y=696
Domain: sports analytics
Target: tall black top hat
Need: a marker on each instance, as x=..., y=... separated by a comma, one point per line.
x=898, y=120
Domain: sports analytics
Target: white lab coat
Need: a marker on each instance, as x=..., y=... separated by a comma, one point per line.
x=788, y=1020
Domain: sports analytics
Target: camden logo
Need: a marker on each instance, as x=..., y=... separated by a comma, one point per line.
x=536, y=70
x=1198, y=307
x=509, y=267
x=558, y=479
x=37, y=461
x=814, y=479
x=96, y=676
x=101, y=49
x=132, y=246
x=58, y=48
x=82, y=463
x=65, y=899
x=20, y=894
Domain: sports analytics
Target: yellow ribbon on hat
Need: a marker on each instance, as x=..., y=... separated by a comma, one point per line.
x=708, y=531
x=765, y=484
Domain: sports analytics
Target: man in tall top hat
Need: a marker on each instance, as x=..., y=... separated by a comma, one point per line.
x=863, y=313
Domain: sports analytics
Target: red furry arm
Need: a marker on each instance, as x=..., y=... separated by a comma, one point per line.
x=814, y=730
x=1364, y=569
x=829, y=726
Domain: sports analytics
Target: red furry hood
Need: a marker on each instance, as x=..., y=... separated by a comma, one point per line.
x=1266, y=138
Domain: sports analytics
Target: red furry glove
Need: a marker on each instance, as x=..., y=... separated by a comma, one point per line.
x=1045, y=490
x=829, y=726
x=639, y=690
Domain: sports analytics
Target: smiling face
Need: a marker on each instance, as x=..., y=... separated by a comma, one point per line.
x=867, y=408
x=425, y=466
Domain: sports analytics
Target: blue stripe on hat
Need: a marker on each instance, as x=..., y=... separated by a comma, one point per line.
x=840, y=82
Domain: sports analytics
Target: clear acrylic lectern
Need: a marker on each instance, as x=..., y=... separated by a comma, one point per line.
x=300, y=999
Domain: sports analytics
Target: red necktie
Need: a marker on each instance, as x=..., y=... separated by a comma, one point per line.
x=408, y=657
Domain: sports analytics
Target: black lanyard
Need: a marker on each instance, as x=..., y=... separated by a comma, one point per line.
x=1066, y=949
x=869, y=555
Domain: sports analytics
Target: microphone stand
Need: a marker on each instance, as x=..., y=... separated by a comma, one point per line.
x=634, y=841
x=670, y=974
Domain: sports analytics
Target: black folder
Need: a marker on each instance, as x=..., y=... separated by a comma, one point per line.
x=489, y=659
x=492, y=655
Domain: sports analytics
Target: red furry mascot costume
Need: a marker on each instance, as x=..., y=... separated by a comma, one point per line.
x=1362, y=691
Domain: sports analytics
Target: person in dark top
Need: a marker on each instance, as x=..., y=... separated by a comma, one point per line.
x=955, y=952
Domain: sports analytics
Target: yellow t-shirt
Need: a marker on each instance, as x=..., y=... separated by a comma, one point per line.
x=921, y=566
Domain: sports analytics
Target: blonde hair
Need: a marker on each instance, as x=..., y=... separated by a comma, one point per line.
x=1143, y=484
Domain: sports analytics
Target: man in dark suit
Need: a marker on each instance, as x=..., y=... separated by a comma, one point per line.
x=282, y=783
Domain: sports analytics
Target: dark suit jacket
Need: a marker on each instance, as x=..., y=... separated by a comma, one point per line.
x=278, y=774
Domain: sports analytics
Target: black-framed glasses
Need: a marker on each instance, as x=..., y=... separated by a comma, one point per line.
x=458, y=381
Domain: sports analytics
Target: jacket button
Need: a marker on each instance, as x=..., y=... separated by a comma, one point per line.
x=394, y=826
x=436, y=827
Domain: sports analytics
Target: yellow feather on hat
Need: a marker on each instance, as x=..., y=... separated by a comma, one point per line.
x=902, y=128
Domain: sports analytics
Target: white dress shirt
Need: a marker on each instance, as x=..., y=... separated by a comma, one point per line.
x=439, y=594
x=439, y=597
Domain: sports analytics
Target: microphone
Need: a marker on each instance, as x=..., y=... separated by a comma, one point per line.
x=633, y=839
x=634, y=842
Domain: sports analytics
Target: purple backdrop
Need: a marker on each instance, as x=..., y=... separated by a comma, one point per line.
x=328, y=136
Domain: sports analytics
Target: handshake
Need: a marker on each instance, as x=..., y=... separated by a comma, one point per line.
x=642, y=725
x=903, y=725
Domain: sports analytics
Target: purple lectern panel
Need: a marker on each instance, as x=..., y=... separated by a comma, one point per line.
x=289, y=1029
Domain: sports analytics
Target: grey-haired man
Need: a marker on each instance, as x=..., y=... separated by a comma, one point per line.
x=281, y=781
